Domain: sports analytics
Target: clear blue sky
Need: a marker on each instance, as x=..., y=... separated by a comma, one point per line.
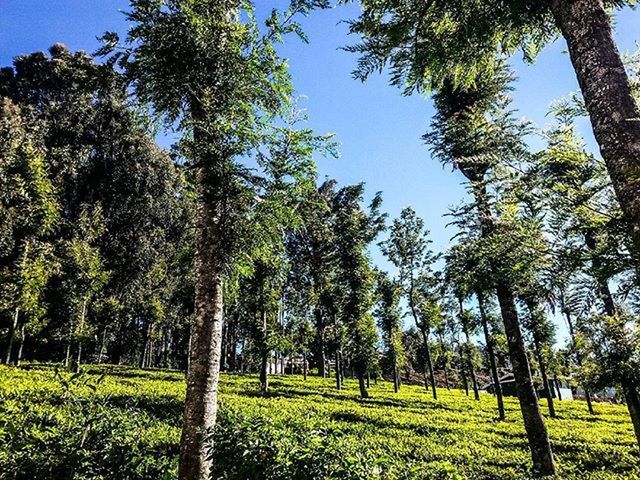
x=378, y=128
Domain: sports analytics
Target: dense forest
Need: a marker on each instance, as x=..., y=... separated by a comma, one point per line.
x=229, y=252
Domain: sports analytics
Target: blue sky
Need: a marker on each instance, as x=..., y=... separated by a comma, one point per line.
x=378, y=128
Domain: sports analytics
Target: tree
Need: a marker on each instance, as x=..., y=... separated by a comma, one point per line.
x=313, y=256
x=428, y=43
x=611, y=353
x=84, y=278
x=355, y=230
x=193, y=62
x=287, y=186
x=474, y=131
x=407, y=248
x=30, y=213
x=390, y=323
x=469, y=272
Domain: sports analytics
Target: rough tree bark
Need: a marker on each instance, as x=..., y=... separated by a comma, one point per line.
x=204, y=359
x=605, y=87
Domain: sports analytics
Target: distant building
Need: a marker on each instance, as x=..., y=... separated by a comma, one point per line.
x=559, y=388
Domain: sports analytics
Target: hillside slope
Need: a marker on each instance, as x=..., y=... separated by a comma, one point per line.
x=125, y=425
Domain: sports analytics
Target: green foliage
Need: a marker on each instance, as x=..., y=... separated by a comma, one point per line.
x=424, y=43
x=130, y=425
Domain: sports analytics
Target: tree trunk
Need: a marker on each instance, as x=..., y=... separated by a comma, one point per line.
x=557, y=384
x=304, y=366
x=205, y=349
x=264, y=374
x=363, y=386
x=396, y=383
x=463, y=371
x=534, y=423
x=492, y=358
x=535, y=426
x=83, y=314
x=12, y=336
x=338, y=370
x=444, y=364
x=474, y=380
x=21, y=345
x=266, y=353
x=605, y=87
x=145, y=350
x=545, y=380
x=633, y=404
x=572, y=334
x=103, y=345
x=320, y=343
x=76, y=364
x=432, y=377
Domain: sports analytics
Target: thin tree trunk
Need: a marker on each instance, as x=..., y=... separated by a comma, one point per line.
x=83, y=314
x=363, y=386
x=76, y=365
x=492, y=357
x=12, y=336
x=587, y=397
x=204, y=358
x=432, y=377
x=472, y=372
x=572, y=334
x=605, y=87
x=557, y=384
x=264, y=375
x=463, y=372
x=266, y=354
x=145, y=350
x=444, y=364
x=304, y=366
x=338, y=370
x=633, y=404
x=103, y=344
x=396, y=383
x=21, y=345
x=545, y=380
x=320, y=342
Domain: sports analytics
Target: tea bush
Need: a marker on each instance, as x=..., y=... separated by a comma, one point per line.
x=122, y=423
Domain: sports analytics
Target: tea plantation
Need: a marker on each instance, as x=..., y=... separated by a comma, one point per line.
x=121, y=423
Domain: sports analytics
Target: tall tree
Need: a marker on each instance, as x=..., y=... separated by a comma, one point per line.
x=390, y=323
x=30, y=211
x=426, y=43
x=474, y=131
x=355, y=230
x=408, y=249
x=193, y=62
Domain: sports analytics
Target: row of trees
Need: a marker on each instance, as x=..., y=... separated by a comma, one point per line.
x=97, y=240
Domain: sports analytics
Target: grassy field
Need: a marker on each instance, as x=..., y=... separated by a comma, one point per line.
x=125, y=425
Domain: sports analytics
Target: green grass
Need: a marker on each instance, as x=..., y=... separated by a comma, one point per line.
x=127, y=427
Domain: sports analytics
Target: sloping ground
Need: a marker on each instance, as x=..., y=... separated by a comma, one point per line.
x=127, y=427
